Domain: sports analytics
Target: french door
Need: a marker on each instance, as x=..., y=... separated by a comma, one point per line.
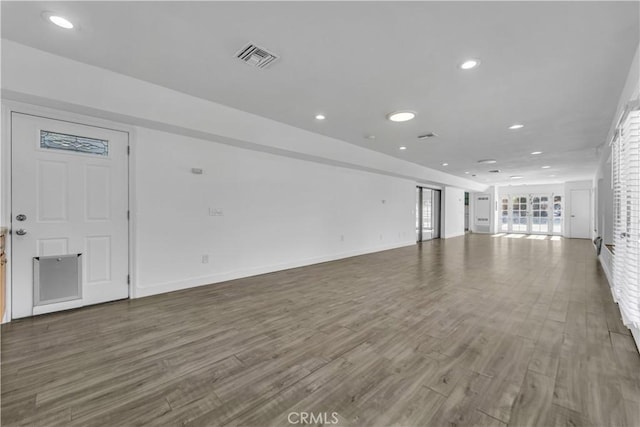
x=531, y=214
x=540, y=219
x=427, y=214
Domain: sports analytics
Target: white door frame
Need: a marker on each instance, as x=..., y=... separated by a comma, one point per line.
x=9, y=107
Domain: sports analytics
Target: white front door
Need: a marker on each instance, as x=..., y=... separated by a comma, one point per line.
x=69, y=215
x=579, y=222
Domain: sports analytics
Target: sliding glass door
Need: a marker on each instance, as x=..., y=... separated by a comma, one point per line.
x=427, y=214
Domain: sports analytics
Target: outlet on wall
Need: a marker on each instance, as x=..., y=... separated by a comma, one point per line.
x=205, y=259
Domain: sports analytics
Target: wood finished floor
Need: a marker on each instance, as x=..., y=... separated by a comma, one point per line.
x=476, y=330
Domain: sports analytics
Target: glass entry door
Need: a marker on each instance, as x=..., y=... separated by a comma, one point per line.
x=427, y=214
x=540, y=208
x=519, y=214
x=531, y=214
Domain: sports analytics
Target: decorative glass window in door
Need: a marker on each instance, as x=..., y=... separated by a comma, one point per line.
x=557, y=214
x=78, y=144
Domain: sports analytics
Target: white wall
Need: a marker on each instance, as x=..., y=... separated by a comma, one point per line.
x=277, y=212
x=453, y=212
x=288, y=195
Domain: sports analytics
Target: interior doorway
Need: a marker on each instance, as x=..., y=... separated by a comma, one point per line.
x=427, y=214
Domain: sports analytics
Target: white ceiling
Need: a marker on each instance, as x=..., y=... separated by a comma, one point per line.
x=557, y=67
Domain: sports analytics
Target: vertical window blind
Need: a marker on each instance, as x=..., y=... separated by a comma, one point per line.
x=626, y=188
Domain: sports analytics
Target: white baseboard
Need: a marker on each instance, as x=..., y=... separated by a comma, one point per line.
x=605, y=258
x=192, y=282
x=635, y=333
x=454, y=235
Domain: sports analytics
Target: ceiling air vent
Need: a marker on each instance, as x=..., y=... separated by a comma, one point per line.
x=256, y=56
x=494, y=171
x=427, y=135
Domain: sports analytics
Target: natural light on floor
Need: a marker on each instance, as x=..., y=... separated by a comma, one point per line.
x=528, y=236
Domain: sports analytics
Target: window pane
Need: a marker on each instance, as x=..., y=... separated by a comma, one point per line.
x=78, y=144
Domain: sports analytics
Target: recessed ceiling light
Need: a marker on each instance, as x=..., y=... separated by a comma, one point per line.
x=535, y=153
x=403, y=148
x=61, y=22
x=551, y=176
x=515, y=177
x=487, y=161
x=320, y=117
x=401, y=116
x=469, y=64
x=372, y=137
x=516, y=126
x=546, y=167
x=467, y=173
x=445, y=164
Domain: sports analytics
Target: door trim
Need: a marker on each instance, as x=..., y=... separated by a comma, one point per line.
x=9, y=107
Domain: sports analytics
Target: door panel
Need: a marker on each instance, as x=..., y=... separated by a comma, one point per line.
x=539, y=218
x=579, y=222
x=558, y=214
x=519, y=216
x=70, y=181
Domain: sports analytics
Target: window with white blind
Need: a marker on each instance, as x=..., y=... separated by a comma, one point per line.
x=626, y=187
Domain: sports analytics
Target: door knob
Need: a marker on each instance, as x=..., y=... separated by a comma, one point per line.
x=21, y=232
x=21, y=217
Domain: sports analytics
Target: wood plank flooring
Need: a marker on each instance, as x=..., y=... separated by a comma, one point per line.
x=477, y=330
